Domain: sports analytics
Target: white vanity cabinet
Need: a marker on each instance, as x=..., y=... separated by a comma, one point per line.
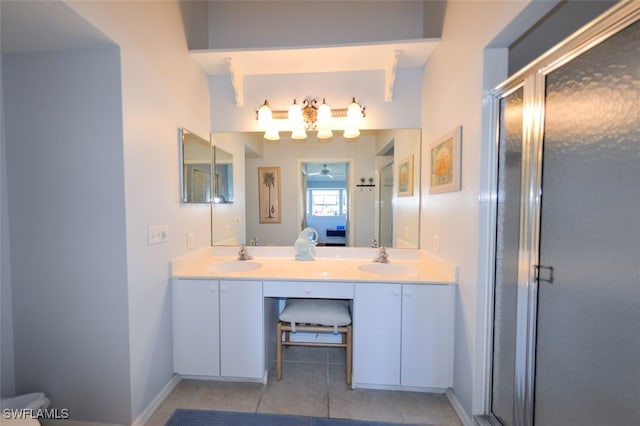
x=241, y=339
x=403, y=335
x=218, y=328
x=196, y=327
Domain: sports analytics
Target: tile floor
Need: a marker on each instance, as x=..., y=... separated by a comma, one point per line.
x=313, y=384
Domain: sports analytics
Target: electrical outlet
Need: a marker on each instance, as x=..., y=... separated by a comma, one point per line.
x=436, y=243
x=190, y=238
x=157, y=234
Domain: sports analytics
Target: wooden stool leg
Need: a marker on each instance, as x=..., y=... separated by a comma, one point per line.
x=349, y=340
x=279, y=351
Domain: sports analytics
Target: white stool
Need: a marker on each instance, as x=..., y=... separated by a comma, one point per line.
x=318, y=316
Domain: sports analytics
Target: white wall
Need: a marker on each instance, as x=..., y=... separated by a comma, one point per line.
x=455, y=80
x=162, y=90
x=67, y=219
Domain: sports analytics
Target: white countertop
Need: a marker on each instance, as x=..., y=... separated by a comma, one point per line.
x=330, y=264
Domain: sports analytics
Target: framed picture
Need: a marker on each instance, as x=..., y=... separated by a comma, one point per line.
x=445, y=155
x=269, y=195
x=405, y=177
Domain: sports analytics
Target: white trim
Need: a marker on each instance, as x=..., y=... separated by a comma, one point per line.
x=157, y=401
x=459, y=409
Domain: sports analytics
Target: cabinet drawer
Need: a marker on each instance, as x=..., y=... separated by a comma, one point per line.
x=308, y=289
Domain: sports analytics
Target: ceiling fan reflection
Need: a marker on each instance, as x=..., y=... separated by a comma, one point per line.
x=323, y=172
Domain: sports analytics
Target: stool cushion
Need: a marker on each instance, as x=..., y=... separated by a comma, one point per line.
x=316, y=311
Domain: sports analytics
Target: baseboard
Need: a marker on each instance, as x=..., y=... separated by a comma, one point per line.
x=460, y=411
x=155, y=403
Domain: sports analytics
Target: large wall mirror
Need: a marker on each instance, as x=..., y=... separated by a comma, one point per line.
x=351, y=191
x=196, y=167
x=223, y=176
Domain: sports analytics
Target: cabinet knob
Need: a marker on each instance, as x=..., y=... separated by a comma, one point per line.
x=407, y=293
x=307, y=290
x=223, y=288
x=213, y=288
x=396, y=292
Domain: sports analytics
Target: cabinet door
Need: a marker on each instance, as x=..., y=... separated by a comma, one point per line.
x=241, y=340
x=376, y=325
x=427, y=335
x=196, y=327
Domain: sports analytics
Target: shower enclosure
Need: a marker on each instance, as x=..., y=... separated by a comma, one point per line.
x=566, y=299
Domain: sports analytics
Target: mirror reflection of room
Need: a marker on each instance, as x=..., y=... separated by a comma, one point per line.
x=326, y=197
x=355, y=215
x=196, y=168
x=223, y=178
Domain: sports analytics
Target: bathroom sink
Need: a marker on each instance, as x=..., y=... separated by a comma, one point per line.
x=388, y=269
x=235, y=266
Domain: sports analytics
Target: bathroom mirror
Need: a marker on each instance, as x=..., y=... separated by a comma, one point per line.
x=223, y=176
x=373, y=201
x=196, y=167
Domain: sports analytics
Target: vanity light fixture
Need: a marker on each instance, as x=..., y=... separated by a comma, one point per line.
x=310, y=117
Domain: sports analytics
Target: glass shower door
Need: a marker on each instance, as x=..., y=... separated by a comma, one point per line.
x=510, y=148
x=587, y=360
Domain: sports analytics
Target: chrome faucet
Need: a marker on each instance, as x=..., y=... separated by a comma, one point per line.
x=383, y=256
x=374, y=243
x=243, y=254
x=253, y=242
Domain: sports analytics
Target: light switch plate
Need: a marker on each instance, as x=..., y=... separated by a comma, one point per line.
x=157, y=234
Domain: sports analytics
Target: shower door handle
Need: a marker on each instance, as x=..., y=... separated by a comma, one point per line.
x=543, y=273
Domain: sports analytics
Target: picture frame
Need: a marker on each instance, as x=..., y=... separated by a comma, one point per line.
x=269, y=195
x=445, y=156
x=405, y=177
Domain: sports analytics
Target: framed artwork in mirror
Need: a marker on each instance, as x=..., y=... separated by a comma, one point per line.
x=269, y=197
x=445, y=155
x=405, y=177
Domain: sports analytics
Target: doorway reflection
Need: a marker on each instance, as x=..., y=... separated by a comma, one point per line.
x=325, y=195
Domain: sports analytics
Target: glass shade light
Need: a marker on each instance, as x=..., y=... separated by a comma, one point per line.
x=272, y=135
x=265, y=116
x=325, y=133
x=351, y=132
x=296, y=121
x=324, y=121
x=354, y=114
x=298, y=132
x=354, y=118
x=295, y=115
